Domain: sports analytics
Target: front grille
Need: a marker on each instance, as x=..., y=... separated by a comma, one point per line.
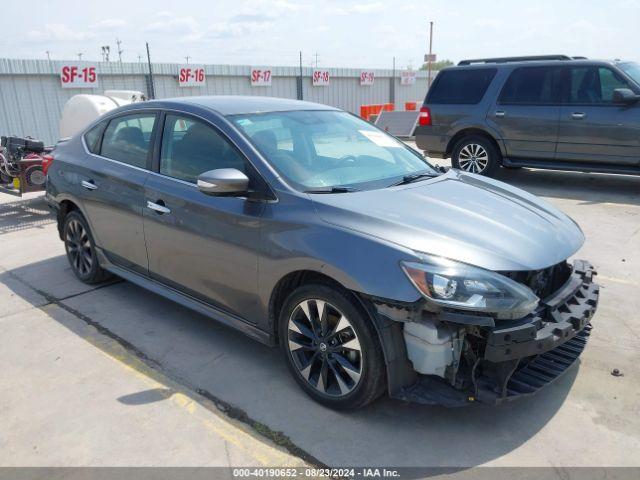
x=543, y=282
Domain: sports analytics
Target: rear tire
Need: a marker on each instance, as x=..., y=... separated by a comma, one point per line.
x=331, y=347
x=476, y=154
x=80, y=248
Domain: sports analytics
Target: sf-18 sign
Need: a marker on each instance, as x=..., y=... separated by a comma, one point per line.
x=260, y=77
x=320, y=78
x=191, y=76
x=407, y=77
x=78, y=75
x=367, y=78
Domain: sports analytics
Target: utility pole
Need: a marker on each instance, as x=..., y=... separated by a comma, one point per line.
x=430, y=52
x=152, y=90
x=120, y=51
x=105, y=53
x=79, y=56
x=392, y=84
x=48, y=55
x=316, y=56
x=300, y=93
x=139, y=58
x=187, y=59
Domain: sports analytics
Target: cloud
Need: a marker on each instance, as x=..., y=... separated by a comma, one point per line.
x=58, y=32
x=109, y=24
x=359, y=8
x=251, y=18
x=178, y=25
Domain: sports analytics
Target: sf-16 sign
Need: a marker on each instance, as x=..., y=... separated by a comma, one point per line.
x=260, y=77
x=320, y=78
x=78, y=75
x=367, y=78
x=191, y=76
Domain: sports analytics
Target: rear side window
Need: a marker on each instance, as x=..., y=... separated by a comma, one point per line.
x=531, y=86
x=466, y=87
x=127, y=139
x=92, y=137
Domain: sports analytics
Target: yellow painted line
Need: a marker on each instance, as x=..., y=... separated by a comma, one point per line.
x=237, y=434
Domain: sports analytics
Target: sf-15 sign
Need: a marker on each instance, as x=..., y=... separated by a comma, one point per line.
x=320, y=78
x=191, y=76
x=78, y=75
x=260, y=77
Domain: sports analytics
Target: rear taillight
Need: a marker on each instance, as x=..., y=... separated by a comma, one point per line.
x=47, y=160
x=424, y=119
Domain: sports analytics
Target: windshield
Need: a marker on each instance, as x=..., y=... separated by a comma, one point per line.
x=326, y=149
x=632, y=69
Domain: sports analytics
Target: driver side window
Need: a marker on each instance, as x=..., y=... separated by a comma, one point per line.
x=191, y=147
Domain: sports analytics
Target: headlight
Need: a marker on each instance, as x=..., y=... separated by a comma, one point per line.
x=462, y=286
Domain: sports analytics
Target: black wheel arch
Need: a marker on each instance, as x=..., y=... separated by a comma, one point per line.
x=465, y=132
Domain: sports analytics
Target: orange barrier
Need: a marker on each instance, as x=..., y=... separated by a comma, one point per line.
x=411, y=106
x=367, y=110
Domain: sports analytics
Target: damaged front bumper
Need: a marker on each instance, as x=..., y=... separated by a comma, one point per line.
x=517, y=358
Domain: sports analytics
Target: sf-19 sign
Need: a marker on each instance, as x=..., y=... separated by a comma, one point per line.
x=320, y=78
x=191, y=76
x=260, y=77
x=78, y=75
x=367, y=78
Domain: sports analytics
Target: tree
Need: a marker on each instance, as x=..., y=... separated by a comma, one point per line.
x=437, y=65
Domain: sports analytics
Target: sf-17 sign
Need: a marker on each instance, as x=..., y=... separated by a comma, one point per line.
x=367, y=78
x=260, y=77
x=78, y=75
x=191, y=76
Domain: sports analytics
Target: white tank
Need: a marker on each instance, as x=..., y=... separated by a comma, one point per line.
x=81, y=110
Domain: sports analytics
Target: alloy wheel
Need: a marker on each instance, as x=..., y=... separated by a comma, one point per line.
x=325, y=347
x=78, y=247
x=473, y=158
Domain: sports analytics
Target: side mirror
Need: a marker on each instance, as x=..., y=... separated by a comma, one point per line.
x=625, y=95
x=223, y=181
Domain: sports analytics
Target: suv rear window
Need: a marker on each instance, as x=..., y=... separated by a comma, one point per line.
x=464, y=86
x=532, y=85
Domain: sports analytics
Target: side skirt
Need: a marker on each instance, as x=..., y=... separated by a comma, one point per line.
x=205, y=309
x=572, y=166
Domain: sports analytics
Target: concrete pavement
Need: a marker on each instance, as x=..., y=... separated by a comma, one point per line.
x=101, y=410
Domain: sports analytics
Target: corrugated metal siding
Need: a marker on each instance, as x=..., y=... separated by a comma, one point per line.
x=31, y=97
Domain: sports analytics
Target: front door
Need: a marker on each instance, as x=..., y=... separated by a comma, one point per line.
x=202, y=245
x=593, y=128
x=112, y=188
x=527, y=112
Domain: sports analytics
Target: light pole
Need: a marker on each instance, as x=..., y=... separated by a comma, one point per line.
x=430, y=55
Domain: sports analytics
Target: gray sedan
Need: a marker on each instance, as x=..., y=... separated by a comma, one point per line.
x=306, y=227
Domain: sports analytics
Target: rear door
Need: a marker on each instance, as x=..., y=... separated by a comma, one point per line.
x=593, y=128
x=112, y=187
x=527, y=112
x=202, y=245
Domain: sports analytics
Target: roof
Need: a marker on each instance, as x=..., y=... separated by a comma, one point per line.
x=532, y=63
x=240, y=104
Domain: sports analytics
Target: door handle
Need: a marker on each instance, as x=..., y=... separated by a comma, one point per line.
x=578, y=115
x=157, y=207
x=500, y=113
x=88, y=184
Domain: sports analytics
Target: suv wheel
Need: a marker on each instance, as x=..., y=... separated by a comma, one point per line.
x=331, y=347
x=81, y=252
x=476, y=154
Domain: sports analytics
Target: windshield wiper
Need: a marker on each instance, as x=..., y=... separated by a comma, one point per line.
x=413, y=177
x=332, y=190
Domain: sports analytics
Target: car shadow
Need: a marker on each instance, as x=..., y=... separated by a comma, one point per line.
x=218, y=362
x=588, y=188
x=25, y=214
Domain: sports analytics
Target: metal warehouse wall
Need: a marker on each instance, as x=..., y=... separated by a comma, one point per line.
x=31, y=97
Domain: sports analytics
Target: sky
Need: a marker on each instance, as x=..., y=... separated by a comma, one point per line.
x=343, y=33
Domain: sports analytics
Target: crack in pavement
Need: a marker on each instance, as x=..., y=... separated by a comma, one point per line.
x=231, y=411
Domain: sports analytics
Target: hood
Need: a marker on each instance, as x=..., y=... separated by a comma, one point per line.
x=460, y=216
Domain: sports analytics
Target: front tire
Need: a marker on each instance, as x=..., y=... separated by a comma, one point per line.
x=331, y=347
x=476, y=154
x=80, y=248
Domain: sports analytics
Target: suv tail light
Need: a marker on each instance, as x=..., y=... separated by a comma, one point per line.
x=46, y=162
x=424, y=119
